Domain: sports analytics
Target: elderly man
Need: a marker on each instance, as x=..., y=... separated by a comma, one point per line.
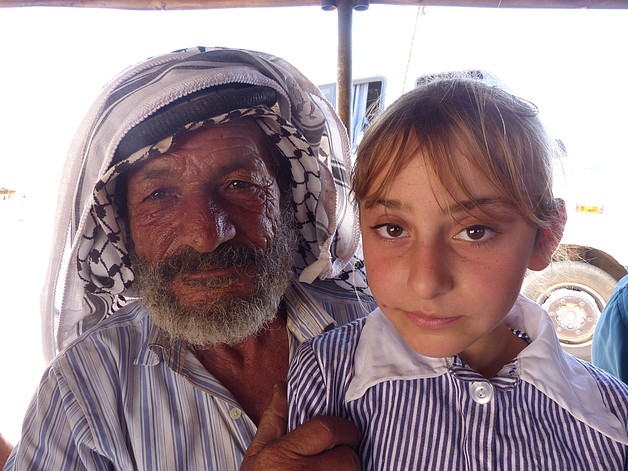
x=208, y=233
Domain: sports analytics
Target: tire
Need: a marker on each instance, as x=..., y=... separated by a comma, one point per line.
x=574, y=294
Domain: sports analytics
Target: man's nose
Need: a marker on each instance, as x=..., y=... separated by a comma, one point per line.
x=429, y=274
x=205, y=225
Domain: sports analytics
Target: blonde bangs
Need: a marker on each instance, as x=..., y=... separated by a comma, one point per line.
x=452, y=123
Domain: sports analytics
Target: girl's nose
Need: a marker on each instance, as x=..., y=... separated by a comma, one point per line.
x=429, y=274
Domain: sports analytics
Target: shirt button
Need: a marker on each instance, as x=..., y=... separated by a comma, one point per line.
x=481, y=392
x=235, y=413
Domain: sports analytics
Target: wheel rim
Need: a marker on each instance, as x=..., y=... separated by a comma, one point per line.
x=574, y=313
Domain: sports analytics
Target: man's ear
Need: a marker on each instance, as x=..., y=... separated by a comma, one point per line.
x=547, y=239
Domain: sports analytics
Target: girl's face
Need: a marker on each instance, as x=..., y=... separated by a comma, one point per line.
x=446, y=273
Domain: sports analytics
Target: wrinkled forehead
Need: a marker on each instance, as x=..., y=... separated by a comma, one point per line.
x=236, y=143
x=256, y=133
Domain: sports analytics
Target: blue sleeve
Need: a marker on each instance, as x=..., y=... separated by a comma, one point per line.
x=610, y=342
x=55, y=433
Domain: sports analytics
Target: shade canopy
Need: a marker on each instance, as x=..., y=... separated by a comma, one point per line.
x=192, y=4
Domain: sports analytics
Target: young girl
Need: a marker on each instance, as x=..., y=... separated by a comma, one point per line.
x=455, y=370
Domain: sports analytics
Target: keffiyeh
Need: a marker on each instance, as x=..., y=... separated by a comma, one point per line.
x=90, y=274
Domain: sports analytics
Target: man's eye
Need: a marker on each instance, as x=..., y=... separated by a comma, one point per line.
x=475, y=233
x=390, y=231
x=240, y=185
x=158, y=194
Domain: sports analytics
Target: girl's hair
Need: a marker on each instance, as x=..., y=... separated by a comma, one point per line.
x=497, y=132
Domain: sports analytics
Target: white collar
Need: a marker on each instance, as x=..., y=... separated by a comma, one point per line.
x=382, y=355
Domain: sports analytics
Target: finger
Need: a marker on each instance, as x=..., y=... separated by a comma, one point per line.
x=273, y=422
x=321, y=434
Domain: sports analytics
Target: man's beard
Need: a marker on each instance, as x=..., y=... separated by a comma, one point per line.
x=226, y=319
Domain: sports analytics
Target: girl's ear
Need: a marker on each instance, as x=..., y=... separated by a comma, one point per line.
x=547, y=239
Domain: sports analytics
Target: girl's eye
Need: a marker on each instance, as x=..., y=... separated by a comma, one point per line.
x=475, y=233
x=390, y=231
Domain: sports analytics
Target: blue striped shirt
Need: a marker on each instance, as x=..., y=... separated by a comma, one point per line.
x=546, y=410
x=122, y=397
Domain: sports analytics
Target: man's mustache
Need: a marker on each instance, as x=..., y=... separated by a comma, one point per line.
x=188, y=260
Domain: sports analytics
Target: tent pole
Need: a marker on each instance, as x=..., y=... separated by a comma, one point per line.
x=343, y=86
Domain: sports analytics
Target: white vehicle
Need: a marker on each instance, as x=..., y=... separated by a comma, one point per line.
x=593, y=254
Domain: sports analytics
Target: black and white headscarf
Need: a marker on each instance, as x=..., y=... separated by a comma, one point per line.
x=90, y=274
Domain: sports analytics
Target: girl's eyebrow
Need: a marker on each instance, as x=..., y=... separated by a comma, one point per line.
x=392, y=204
x=484, y=204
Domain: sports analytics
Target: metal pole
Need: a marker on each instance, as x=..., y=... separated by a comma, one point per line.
x=343, y=87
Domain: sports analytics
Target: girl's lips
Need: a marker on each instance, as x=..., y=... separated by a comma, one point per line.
x=430, y=322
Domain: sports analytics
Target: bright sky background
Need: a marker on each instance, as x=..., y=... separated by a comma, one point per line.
x=571, y=63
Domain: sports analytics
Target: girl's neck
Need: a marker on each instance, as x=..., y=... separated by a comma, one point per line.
x=489, y=355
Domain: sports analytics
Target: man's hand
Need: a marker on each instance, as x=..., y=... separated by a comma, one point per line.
x=323, y=443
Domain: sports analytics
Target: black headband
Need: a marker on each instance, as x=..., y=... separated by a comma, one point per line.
x=197, y=106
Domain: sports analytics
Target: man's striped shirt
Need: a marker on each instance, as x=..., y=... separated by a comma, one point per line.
x=122, y=397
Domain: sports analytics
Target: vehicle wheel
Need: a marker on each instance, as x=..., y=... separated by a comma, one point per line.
x=574, y=294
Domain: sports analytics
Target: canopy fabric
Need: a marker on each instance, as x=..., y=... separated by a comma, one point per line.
x=196, y=4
